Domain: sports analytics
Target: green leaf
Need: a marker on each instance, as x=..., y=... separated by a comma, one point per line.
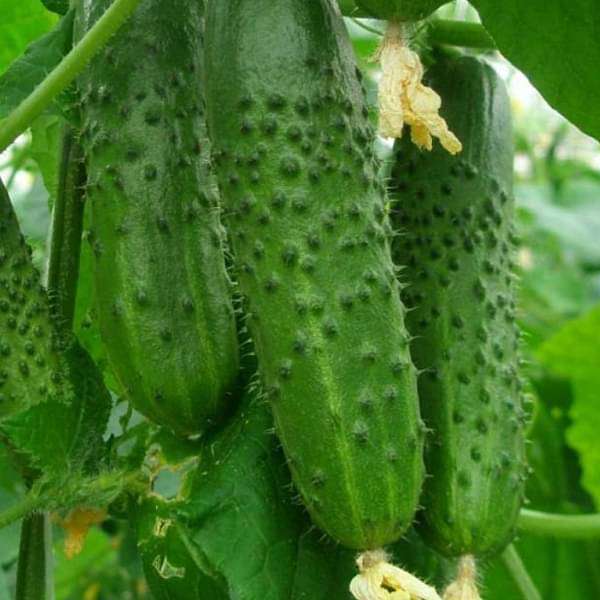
x=22, y=22
x=46, y=133
x=240, y=498
x=58, y=6
x=62, y=437
x=574, y=353
x=237, y=525
x=39, y=59
x=555, y=43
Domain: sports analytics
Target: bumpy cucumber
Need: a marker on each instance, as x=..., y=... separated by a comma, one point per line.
x=53, y=403
x=455, y=217
x=400, y=10
x=305, y=214
x=31, y=368
x=165, y=308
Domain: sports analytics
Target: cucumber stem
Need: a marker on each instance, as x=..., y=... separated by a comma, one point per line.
x=67, y=226
x=101, y=489
x=465, y=34
x=516, y=568
x=575, y=527
x=29, y=503
x=66, y=71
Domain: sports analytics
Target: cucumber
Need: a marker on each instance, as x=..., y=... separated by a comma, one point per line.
x=31, y=368
x=305, y=214
x=400, y=10
x=164, y=298
x=455, y=216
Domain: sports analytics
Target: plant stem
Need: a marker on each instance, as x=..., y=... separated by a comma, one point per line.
x=80, y=491
x=30, y=503
x=349, y=9
x=514, y=565
x=368, y=27
x=575, y=527
x=67, y=225
x=70, y=66
x=35, y=580
x=465, y=34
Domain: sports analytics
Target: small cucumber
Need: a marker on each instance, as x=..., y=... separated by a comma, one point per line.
x=31, y=368
x=164, y=297
x=455, y=216
x=53, y=403
x=400, y=10
x=306, y=218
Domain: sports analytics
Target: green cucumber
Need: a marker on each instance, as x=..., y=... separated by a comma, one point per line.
x=31, y=367
x=456, y=236
x=53, y=404
x=305, y=214
x=400, y=10
x=164, y=297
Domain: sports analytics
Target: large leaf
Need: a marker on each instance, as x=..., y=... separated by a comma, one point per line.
x=22, y=21
x=230, y=520
x=25, y=73
x=574, y=353
x=555, y=43
x=60, y=438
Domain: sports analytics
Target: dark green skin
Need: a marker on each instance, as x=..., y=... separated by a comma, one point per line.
x=456, y=236
x=164, y=297
x=31, y=369
x=400, y=10
x=305, y=215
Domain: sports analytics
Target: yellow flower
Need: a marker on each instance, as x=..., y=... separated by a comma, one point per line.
x=379, y=580
x=403, y=99
x=77, y=525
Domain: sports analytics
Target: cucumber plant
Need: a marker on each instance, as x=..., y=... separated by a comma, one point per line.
x=455, y=216
x=163, y=294
x=305, y=211
x=307, y=220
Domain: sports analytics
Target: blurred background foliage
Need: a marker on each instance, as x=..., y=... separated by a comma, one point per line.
x=557, y=171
